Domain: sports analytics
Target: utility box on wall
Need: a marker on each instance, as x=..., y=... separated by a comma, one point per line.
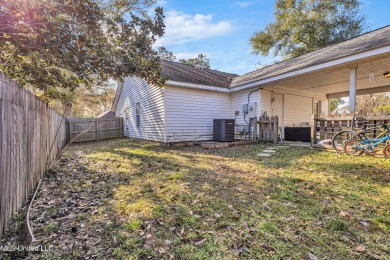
x=250, y=110
x=223, y=130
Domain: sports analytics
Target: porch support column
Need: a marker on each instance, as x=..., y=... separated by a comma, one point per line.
x=352, y=90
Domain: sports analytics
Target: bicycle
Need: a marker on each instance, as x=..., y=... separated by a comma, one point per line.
x=386, y=151
x=364, y=144
x=341, y=138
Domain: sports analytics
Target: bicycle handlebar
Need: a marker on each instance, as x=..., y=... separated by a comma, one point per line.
x=385, y=127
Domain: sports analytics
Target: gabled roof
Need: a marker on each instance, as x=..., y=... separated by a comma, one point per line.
x=365, y=42
x=185, y=73
x=107, y=114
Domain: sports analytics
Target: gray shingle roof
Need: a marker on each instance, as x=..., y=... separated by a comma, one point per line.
x=186, y=73
x=108, y=114
x=365, y=42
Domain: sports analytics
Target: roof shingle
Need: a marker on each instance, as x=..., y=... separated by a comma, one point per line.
x=186, y=73
x=371, y=40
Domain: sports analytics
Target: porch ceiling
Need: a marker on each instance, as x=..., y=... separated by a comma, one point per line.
x=335, y=81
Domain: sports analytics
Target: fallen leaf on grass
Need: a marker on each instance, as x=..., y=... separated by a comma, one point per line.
x=181, y=234
x=218, y=215
x=360, y=248
x=373, y=256
x=149, y=239
x=198, y=240
x=268, y=247
x=288, y=219
x=240, y=249
x=161, y=250
x=311, y=256
x=344, y=214
x=265, y=206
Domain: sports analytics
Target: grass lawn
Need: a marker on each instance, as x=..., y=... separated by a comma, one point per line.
x=131, y=199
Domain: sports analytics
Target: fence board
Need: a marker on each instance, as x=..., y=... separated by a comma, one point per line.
x=268, y=128
x=327, y=126
x=93, y=129
x=28, y=129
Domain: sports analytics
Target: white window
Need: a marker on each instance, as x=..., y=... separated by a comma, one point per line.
x=138, y=114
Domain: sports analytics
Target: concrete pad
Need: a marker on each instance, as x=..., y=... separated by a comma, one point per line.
x=208, y=145
x=298, y=144
x=272, y=148
x=269, y=151
x=264, y=154
x=221, y=145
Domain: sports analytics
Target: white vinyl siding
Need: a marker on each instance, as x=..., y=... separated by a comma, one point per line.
x=151, y=102
x=265, y=102
x=176, y=114
x=324, y=107
x=241, y=98
x=297, y=110
x=190, y=113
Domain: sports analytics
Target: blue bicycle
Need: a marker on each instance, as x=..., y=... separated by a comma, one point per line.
x=362, y=143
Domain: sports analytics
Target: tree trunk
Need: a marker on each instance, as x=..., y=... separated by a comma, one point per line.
x=67, y=107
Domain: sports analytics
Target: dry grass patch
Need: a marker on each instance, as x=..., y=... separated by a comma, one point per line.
x=134, y=199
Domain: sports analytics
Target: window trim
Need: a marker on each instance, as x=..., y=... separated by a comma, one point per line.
x=138, y=114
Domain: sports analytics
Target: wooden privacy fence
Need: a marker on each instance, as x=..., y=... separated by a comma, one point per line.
x=327, y=126
x=93, y=129
x=31, y=137
x=266, y=128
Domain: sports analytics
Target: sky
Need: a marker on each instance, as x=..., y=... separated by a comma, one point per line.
x=221, y=29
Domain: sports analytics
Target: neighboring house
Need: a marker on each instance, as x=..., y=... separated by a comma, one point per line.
x=107, y=114
x=185, y=107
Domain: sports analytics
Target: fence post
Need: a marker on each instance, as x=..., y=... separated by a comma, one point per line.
x=313, y=125
x=255, y=129
x=276, y=129
x=70, y=129
x=97, y=129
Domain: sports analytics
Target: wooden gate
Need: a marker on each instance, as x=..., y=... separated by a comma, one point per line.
x=93, y=129
x=266, y=129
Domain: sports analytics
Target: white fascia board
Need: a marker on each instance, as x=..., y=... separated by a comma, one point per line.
x=196, y=86
x=328, y=64
x=118, y=93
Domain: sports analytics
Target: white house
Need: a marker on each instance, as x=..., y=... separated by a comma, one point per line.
x=185, y=107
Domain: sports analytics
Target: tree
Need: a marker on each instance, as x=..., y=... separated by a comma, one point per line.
x=200, y=62
x=58, y=45
x=302, y=26
x=334, y=103
x=164, y=54
x=368, y=104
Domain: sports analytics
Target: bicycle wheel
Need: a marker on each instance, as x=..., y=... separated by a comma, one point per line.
x=386, y=151
x=353, y=148
x=339, y=140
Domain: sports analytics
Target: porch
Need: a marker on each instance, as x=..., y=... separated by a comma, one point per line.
x=302, y=100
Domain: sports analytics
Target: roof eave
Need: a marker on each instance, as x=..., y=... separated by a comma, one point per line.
x=328, y=64
x=196, y=86
x=117, y=95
